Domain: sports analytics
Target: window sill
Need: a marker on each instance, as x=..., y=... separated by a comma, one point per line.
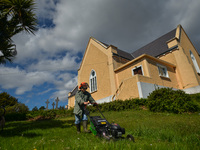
x=93, y=92
x=164, y=77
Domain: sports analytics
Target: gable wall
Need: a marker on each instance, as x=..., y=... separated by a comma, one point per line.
x=187, y=46
x=96, y=59
x=186, y=74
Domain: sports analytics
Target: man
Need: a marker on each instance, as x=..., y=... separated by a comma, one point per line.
x=82, y=99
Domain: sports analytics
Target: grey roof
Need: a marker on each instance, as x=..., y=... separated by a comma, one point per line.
x=157, y=47
x=73, y=92
x=124, y=54
x=121, y=53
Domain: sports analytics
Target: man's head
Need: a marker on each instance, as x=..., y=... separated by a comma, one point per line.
x=83, y=86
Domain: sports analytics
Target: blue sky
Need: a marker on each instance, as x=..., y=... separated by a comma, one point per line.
x=47, y=62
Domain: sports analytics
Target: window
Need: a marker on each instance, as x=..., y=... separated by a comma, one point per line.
x=194, y=62
x=93, y=81
x=137, y=70
x=162, y=71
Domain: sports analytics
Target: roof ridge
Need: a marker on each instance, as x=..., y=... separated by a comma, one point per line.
x=101, y=43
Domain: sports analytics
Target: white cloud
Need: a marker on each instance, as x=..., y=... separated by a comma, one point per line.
x=128, y=25
x=64, y=87
x=22, y=81
x=67, y=63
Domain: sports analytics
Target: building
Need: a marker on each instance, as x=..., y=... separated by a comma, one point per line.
x=169, y=61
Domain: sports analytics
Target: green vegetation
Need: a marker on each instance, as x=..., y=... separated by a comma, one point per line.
x=161, y=100
x=168, y=100
x=164, y=131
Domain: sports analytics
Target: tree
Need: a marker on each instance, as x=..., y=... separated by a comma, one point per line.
x=17, y=108
x=7, y=100
x=15, y=16
x=35, y=108
x=42, y=108
x=61, y=107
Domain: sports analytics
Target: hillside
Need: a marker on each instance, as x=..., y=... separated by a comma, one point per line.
x=151, y=131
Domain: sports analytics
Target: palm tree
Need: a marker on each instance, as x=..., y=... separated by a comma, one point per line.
x=15, y=16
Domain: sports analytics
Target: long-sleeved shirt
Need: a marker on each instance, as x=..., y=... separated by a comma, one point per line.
x=80, y=98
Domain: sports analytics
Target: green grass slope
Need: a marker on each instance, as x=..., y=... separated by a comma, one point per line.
x=156, y=131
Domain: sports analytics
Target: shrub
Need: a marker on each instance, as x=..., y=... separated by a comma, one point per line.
x=15, y=116
x=119, y=105
x=48, y=114
x=41, y=115
x=169, y=100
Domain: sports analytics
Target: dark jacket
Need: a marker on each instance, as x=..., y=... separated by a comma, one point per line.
x=80, y=98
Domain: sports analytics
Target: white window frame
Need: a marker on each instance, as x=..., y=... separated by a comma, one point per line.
x=93, y=81
x=194, y=62
x=163, y=68
x=136, y=68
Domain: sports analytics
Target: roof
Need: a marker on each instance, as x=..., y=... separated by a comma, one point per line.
x=121, y=53
x=73, y=92
x=157, y=47
x=124, y=54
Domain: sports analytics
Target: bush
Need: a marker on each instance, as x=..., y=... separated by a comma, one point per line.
x=16, y=112
x=48, y=114
x=41, y=115
x=119, y=105
x=168, y=100
x=15, y=116
x=17, y=108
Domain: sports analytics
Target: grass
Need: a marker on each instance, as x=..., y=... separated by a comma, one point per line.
x=156, y=131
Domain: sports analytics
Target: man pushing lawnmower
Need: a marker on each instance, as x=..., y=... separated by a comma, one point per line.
x=99, y=126
x=82, y=99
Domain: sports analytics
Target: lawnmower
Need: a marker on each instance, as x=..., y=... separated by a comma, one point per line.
x=102, y=128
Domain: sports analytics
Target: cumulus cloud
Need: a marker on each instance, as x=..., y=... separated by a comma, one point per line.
x=128, y=25
x=22, y=81
x=66, y=63
x=65, y=85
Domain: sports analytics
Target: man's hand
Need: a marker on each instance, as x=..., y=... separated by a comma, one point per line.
x=86, y=103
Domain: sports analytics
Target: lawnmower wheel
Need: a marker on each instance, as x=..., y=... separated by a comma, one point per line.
x=130, y=138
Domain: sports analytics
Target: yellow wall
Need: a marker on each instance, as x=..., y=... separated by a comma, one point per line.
x=96, y=58
x=163, y=81
x=119, y=61
x=71, y=102
x=186, y=47
x=185, y=71
x=129, y=87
